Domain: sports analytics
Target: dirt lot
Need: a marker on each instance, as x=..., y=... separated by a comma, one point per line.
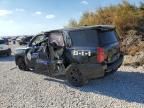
x=19, y=89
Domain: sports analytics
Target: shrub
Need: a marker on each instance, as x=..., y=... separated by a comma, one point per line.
x=124, y=16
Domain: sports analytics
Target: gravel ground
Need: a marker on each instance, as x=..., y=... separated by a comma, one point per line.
x=19, y=89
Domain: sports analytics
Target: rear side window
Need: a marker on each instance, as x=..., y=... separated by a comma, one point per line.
x=84, y=38
x=108, y=37
x=57, y=38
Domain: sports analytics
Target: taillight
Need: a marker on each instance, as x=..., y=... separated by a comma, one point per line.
x=101, y=56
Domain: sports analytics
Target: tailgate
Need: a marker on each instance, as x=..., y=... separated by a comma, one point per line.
x=113, y=52
x=109, y=41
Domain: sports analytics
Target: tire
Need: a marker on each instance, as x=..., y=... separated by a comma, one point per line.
x=21, y=64
x=75, y=77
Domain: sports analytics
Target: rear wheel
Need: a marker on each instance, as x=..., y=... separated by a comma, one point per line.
x=21, y=64
x=75, y=77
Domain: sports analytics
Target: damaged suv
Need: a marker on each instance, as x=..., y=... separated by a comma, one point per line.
x=80, y=54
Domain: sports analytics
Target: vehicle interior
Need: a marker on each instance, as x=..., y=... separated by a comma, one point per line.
x=50, y=50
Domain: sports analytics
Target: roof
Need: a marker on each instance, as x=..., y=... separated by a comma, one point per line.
x=81, y=28
x=89, y=27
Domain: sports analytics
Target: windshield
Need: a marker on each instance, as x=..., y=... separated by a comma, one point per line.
x=107, y=37
x=85, y=38
x=36, y=40
x=2, y=42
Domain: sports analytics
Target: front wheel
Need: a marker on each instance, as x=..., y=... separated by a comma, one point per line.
x=21, y=64
x=75, y=77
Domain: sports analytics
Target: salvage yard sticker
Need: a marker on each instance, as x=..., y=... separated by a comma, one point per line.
x=81, y=53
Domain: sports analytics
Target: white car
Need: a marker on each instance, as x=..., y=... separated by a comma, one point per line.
x=4, y=48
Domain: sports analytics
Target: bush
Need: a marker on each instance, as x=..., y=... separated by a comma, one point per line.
x=124, y=16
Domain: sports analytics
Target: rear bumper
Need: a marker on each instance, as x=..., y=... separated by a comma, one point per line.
x=115, y=65
x=91, y=71
x=2, y=52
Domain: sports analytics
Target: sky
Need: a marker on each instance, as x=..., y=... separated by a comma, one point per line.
x=26, y=17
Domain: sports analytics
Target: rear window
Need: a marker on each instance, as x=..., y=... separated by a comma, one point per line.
x=85, y=38
x=2, y=42
x=107, y=37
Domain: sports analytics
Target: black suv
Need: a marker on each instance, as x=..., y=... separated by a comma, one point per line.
x=79, y=53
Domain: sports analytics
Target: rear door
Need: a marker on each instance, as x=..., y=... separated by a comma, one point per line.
x=47, y=56
x=43, y=61
x=110, y=42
